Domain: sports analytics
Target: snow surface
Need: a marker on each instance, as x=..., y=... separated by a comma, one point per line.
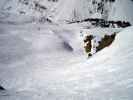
x=36, y=64
x=122, y=11
x=47, y=61
x=61, y=10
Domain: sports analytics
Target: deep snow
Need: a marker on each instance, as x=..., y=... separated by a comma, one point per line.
x=35, y=65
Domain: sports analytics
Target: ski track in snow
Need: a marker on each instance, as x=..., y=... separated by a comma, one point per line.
x=34, y=65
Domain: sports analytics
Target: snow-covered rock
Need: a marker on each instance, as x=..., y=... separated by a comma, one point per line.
x=60, y=10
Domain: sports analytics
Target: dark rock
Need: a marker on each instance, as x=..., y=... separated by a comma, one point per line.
x=97, y=22
x=87, y=42
x=89, y=55
x=2, y=88
x=104, y=42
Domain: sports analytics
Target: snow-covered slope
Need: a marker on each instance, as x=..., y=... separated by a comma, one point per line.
x=26, y=8
x=2, y=3
x=47, y=61
x=81, y=9
x=60, y=10
x=122, y=11
x=39, y=66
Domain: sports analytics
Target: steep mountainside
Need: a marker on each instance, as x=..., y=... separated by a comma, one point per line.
x=59, y=9
x=72, y=10
x=81, y=9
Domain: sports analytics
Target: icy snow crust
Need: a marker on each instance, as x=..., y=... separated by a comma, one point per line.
x=47, y=62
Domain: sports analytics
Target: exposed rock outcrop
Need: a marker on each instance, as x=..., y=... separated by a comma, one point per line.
x=104, y=23
x=92, y=46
